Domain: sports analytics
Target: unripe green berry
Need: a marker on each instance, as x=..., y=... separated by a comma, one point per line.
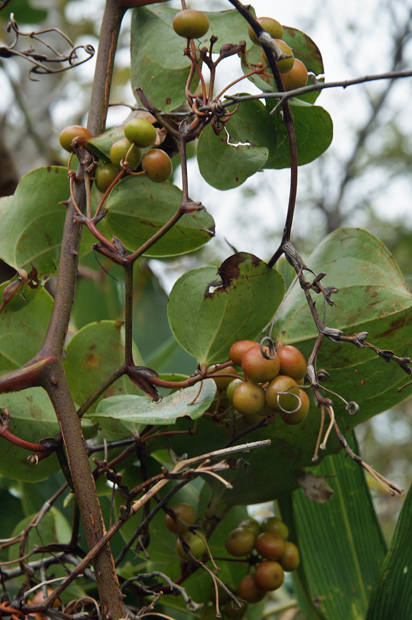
x=272, y=26
x=123, y=149
x=190, y=24
x=276, y=526
x=196, y=545
x=105, y=174
x=141, y=132
x=240, y=542
x=249, y=399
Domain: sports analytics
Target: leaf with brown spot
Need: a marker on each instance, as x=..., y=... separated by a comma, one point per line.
x=92, y=355
x=373, y=297
x=208, y=314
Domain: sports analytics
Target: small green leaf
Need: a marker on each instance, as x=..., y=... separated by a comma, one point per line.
x=92, y=355
x=341, y=543
x=226, y=165
x=32, y=418
x=392, y=594
x=373, y=297
x=31, y=221
x=192, y=402
x=101, y=145
x=23, y=326
x=208, y=311
x=138, y=208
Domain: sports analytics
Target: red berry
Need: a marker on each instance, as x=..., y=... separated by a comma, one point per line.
x=292, y=362
x=257, y=368
x=239, y=348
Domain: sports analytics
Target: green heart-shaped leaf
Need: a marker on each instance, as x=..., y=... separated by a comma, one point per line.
x=373, y=297
x=208, y=313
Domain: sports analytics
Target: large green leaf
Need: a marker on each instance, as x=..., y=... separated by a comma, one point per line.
x=303, y=48
x=392, y=594
x=138, y=208
x=340, y=541
x=31, y=221
x=207, y=314
x=225, y=165
x=373, y=297
x=32, y=418
x=124, y=414
x=92, y=355
x=162, y=70
x=23, y=326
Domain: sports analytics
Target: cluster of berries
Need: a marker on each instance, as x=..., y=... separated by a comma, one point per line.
x=192, y=24
x=139, y=134
x=293, y=71
x=273, y=555
x=269, y=386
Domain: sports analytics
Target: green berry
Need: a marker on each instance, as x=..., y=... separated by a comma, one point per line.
x=123, y=149
x=190, y=24
x=105, y=174
x=141, y=132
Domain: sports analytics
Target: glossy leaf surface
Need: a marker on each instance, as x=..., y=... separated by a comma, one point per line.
x=373, y=297
x=138, y=208
x=209, y=312
x=252, y=124
x=223, y=163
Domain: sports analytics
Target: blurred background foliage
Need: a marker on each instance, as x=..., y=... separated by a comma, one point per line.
x=363, y=180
